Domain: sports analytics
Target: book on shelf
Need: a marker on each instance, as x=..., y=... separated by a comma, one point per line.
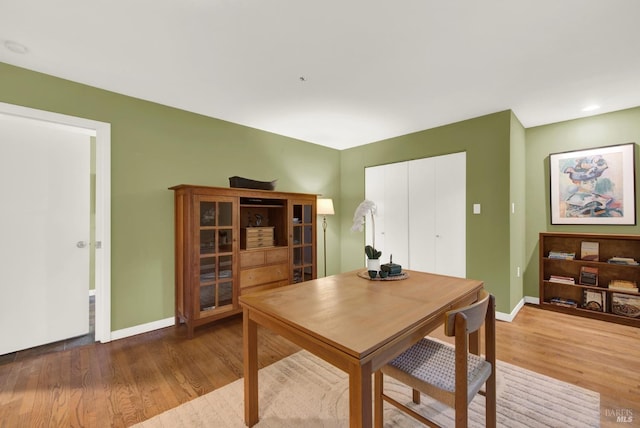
x=561, y=301
x=594, y=300
x=589, y=251
x=623, y=285
x=625, y=305
x=628, y=290
x=562, y=255
x=588, y=276
x=623, y=261
x=562, y=279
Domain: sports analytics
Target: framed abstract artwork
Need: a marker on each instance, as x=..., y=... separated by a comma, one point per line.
x=593, y=186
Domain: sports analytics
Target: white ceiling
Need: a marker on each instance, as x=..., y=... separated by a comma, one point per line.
x=373, y=69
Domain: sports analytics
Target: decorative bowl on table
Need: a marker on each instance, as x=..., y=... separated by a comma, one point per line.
x=377, y=277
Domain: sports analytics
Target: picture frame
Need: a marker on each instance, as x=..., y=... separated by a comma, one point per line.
x=593, y=186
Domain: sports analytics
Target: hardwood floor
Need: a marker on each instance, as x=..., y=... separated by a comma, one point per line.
x=130, y=380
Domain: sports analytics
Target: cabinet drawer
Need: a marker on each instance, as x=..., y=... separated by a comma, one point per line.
x=263, y=275
x=252, y=258
x=255, y=232
x=258, y=243
x=256, y=237
x=278, y=255
x=263, y=257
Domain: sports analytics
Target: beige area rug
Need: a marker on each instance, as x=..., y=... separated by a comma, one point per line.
x=304, y=391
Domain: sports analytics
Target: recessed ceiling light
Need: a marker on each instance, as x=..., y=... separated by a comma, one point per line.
x=591, y=107
x=15, y=47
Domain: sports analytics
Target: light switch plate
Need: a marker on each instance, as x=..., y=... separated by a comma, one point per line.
x=476, y=208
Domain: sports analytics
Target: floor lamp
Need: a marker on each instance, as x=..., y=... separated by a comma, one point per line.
x=325, y=208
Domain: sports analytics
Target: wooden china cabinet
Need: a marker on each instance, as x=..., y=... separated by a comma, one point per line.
x=231, y=241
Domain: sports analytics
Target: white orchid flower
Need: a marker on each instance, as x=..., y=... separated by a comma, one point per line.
x=359, y=217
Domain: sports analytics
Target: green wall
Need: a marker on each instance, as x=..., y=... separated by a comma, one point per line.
x=596, y=131
x=486, y=141
x=154, y=147
x=517, y=210
x=602, y=130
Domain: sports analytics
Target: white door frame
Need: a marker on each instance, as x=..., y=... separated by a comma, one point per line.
x=102, y=133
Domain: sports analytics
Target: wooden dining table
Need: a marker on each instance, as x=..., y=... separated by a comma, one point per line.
x=352, y=322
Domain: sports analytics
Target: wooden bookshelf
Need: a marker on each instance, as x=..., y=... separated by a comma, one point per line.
x=563, y=293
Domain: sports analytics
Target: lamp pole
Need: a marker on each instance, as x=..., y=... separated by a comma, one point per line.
x=325, y=208
x=324, y=244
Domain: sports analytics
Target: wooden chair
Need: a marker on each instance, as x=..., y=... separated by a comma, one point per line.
x=452, y=376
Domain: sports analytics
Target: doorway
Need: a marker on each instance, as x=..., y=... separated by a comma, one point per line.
x=100, y=132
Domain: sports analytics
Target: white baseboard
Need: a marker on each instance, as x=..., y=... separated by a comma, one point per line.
x=501, y=316
x=142, y=328
x=532, y=300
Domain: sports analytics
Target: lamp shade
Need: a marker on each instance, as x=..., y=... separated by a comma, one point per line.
x=325, y=207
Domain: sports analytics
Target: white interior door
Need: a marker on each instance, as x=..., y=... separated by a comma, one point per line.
x=374, y=191
x=451, y=214
x=44, y=225
x=386, y=186
x=422, y=215
x=395, y=214
x=437, y=225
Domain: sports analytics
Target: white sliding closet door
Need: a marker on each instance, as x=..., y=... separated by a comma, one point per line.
x=387, y=187
x=437, y=216
x=421, y=216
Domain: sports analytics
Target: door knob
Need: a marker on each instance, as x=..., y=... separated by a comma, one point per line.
x=81, y=244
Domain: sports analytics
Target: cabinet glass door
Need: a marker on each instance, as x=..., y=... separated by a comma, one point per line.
x=215, y=269
x=303, y=242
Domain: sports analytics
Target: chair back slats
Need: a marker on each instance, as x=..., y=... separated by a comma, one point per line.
x=474, y=315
